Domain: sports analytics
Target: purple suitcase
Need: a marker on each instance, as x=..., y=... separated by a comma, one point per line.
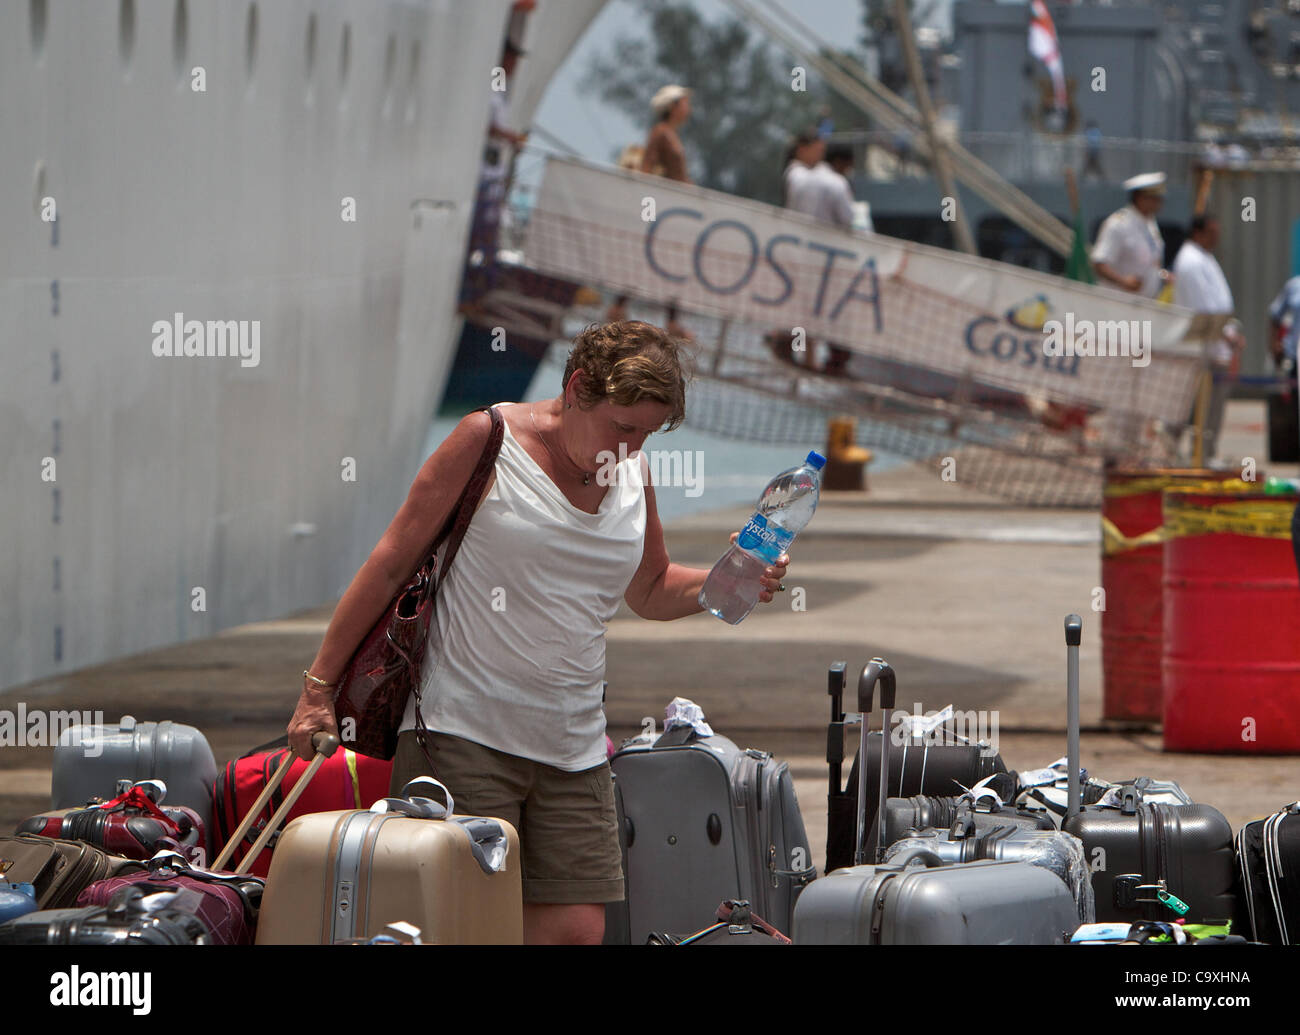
x=226, y=904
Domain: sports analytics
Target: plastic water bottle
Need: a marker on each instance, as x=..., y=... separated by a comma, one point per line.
x=787, y=504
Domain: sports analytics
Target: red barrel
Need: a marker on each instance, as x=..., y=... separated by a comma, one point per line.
x=1131, y=623
x=1232, y=624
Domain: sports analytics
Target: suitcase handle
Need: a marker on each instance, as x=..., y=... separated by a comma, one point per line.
x=1073, y=637
x=325, y=744
x=418, y=806
x=876, y=670
x=928, y=856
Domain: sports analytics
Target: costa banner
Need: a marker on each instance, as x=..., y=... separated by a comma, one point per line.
x=941, y=311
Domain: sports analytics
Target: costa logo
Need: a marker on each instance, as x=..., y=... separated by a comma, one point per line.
x=763, y=259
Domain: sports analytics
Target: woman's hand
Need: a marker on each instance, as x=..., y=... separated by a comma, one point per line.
x=772, y=577
x=315, y=712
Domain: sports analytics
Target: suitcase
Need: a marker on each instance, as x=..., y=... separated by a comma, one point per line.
x=706, y=822
x=1149, y=860
x=131, y=917
x=58, y=870
x=132, y=825
x=928, y=769
x=90, y=760
x=346, y=780
x=1054, y=850
x=339, y=876
x=904, y=816
x=16, y=900
x=1050, y=791
x=1268, y=855
x=934, y=903
x=737, y=927
x=226, y=905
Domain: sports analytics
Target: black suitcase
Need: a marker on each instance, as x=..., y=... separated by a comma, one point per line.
x=939, y=769
x=1149, y=861
x=923, y=812
x=1268, y=854
x=124, y=921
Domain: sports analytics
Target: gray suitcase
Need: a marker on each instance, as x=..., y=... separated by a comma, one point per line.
x=1055, y=851
x=705, y=822
x=934, y=903
x=89, y=761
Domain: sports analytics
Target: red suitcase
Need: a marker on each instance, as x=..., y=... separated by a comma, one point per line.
x=346, y=780
x=131, y=825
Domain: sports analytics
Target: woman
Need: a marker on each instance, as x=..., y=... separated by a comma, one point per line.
x=512, y=682
x=664, y=154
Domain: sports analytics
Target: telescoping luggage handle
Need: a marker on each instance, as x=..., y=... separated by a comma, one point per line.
x=325, y=744
x=877, y=670
x=1073, y=637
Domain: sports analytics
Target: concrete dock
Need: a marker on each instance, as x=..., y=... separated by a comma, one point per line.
x=963, y=594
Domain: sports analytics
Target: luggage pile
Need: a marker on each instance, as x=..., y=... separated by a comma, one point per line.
x=931, y=841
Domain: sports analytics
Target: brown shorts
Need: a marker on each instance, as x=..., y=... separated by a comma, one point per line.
x=568, y=829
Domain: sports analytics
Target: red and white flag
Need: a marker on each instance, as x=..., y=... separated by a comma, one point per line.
x=1043, y=45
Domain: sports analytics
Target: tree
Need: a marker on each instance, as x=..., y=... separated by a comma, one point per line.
x=744, y=105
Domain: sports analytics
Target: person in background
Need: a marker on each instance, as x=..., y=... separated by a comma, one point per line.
x=840, y=158
x=664, y=154
x=1199, y=284
x=805, y=151
x=823, y=192
x=480, y=268
x=1129, y=249
x=1092, y=160
x=1284, y=316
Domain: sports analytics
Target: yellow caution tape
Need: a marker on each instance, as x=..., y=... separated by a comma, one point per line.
x=351, y=759
x=1267, y=519
x=1114, y=541
x=1158, y=483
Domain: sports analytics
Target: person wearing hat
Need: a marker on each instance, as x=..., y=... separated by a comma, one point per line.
x=1129, y=249
x=664, y=154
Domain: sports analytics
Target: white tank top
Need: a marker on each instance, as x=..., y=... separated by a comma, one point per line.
x=517, y=646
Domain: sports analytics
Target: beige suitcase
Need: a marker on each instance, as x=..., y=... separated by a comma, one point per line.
x=339, y=876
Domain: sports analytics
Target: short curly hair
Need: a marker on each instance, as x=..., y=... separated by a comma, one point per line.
x=627, y=362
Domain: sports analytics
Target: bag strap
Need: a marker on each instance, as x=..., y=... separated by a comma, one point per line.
x=458, y=523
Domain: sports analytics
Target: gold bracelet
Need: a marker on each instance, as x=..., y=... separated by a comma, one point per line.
x=318, y=681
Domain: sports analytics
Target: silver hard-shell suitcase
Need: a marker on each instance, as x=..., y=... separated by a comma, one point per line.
x=90, y=760
x=1053, y=850
x=920, y=899
x=705, y=822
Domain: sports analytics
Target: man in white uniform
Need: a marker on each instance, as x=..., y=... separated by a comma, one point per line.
x=823, y=192
x=1199, y=284
x=1129, y=249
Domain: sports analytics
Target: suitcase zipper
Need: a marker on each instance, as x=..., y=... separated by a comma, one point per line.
x=1243, y=863
x=1273, y=867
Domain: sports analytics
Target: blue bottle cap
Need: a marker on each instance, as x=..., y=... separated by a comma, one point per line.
x=815, y=460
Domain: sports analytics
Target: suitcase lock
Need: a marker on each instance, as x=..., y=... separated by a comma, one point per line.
x=1128, y=885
